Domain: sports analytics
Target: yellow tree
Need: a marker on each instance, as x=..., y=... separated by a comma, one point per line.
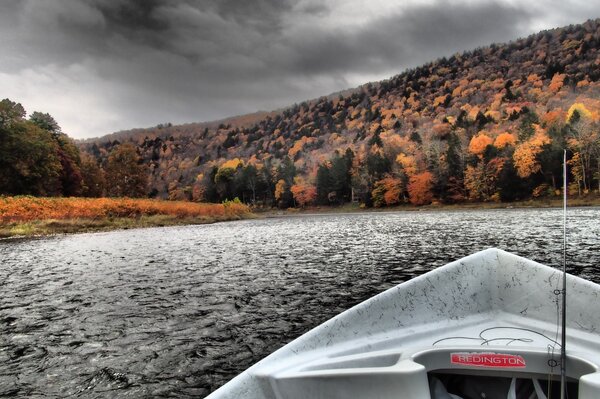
x=526, y=154
x=479, y=143
x=279, y=189
x=232, y=164
x=578, y=110
x=576, y=170
x=407, y=162
x=505, y=140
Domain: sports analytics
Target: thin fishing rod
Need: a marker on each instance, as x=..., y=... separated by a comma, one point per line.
x=563, y=350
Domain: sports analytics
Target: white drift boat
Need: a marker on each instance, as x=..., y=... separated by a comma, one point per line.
x=485, y=326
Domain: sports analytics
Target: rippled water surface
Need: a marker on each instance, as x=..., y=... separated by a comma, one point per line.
x=177, y=312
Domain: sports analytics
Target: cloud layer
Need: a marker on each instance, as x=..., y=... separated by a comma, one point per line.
x=104, y=65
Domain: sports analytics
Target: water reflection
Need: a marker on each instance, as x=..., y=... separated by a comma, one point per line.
x=179, y=311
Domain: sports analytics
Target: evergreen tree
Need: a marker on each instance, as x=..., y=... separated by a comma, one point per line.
x=511, y=186
x=286, y=171
x=268, y=191
x=448, y=183
x=210, y=187
x=341, y=183
x=377, y=166
x=46, y=122
x=416, y=137
x=375, y=140
x=250, y=182
x=551, y=157
x=324, y=184
x=526, y=129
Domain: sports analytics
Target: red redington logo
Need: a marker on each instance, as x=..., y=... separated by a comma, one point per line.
x=496, y=360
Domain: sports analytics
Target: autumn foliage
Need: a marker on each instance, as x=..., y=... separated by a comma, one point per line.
x=304, y=194
x=479, y=143
x=387, y=191
x=526, y=154
x=481, y=180
x=25, y=208
x=581, y=110
x=280, y=188
x=419, y=188
x=488, y=124
x=505, y=139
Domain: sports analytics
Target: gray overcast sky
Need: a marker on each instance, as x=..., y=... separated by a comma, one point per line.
x=99, y=66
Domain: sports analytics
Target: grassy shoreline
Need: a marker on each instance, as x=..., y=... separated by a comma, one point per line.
x=34, y=216
x=49, y=227
x=181, y=214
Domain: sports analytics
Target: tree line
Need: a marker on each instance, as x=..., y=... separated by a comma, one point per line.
x=509, y=166
x=37, y=158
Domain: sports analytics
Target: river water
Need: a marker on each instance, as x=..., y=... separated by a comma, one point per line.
x=178, y=311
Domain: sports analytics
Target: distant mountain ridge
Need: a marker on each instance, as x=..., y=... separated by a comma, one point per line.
x=424, y=120
x=238, y=121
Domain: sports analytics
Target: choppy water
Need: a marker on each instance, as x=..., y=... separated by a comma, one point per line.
x=177, y=312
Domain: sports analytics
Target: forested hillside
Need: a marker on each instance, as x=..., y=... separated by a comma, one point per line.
x=485, y=125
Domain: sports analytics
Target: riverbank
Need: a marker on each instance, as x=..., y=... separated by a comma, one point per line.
x=32, y=216
x=556, y=202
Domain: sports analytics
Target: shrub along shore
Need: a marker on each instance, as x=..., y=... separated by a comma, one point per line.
x=32, y=216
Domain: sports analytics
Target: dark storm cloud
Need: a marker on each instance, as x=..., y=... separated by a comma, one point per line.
x=140, y=62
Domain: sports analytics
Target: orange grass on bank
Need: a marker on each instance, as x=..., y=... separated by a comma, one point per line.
x=25, y=208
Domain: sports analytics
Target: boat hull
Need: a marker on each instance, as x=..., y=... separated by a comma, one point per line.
x=491, y=314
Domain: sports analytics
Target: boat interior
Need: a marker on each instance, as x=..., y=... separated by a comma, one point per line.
x=455, y=385
x=432, y=374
